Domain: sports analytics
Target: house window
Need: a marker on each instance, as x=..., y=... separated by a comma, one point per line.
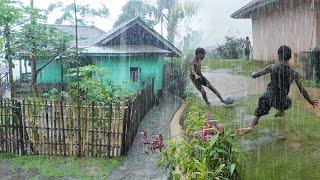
x=134, y=74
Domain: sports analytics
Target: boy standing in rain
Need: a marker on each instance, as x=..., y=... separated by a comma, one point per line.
x=247, y=46
x=198, y=79
x=276, y=95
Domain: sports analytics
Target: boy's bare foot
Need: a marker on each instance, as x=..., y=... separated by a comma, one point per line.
x=280, y=114
x=243, y=131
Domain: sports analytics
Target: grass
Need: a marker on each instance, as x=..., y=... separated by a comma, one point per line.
x=311, y=84
x=279, y=159
x=238, y=66
x=59, y=167
x=297, y=156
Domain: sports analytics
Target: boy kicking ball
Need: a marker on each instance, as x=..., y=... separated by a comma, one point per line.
x=276, y=95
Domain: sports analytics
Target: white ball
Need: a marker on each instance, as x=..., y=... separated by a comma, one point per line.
x=230, y=99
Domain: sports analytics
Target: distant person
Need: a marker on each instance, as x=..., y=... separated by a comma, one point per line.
x=247, y=45
x=198, y=79
x=276, y=95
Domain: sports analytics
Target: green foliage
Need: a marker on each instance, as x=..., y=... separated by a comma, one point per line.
x=137, y=8
x=176, y=76
x=83, y=12
x=44, y=41
x=193, y=158
x=9, y=12
x=94, y=85
x=54, y=94
x=10, y=16
x=153, y=14
x=230, y=49
x=59, y=167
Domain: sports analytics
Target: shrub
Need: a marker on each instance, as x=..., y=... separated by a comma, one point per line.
x=195, y=158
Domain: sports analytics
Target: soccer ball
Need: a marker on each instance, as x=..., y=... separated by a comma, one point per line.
x=230, y=99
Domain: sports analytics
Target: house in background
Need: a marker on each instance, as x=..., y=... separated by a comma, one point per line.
x=295, y=23
x=133, y=53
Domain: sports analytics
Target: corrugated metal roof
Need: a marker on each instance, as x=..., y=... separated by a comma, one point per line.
x=126, y=25
x=245, y=11
x=124, y=49
x=88, y=35
x=94, y=39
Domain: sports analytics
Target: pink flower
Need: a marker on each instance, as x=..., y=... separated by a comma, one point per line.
x=218, y=127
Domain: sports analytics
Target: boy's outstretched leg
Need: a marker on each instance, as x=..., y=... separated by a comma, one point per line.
x=204, y=96
x=215, y=91
x=243, y=131
x=280, y=114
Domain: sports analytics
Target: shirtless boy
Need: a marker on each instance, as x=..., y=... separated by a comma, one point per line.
x=198, y=79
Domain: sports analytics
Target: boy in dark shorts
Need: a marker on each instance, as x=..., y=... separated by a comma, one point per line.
x=276, y=95
x=198, y=79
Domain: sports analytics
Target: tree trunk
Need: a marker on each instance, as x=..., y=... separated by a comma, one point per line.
x=33, y=59
x=9, y=59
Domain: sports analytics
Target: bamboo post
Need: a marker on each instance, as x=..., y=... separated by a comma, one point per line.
x=63, y=129
x=92, y=128
x=21, y=139
x=109, y=129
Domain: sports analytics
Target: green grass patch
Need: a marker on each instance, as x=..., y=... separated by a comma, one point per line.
x=295, y=157
x=60, y=167
x=311, y=84
x=237, y=66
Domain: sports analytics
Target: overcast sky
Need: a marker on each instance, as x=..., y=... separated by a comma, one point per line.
x=213, y=18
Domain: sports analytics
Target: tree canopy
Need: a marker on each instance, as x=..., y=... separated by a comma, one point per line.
x=83, y=12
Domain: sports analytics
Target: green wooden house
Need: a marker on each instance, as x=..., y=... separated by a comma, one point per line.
x=133, y=53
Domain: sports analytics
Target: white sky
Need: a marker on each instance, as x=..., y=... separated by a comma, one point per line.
x=213, y=18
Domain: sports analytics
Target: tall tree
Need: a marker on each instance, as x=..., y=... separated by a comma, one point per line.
x=83, y=12
x=40, y=41
x=32, y=57
x=153, y=14
x=138, y=8
x=10, y=13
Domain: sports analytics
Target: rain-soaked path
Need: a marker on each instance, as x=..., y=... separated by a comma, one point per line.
x=139, y=165
x=227, y=84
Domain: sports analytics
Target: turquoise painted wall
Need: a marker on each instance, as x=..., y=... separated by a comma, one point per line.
x=51, y=73
x=118, y=68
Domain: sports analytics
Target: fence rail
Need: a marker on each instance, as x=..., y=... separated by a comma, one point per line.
x=42, y=127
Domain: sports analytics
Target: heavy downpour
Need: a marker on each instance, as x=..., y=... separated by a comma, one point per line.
x=160, y=89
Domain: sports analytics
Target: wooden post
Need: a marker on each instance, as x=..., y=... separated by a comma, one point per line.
x=109, y=130
x=126, y=119
x=92, y=129
x=20, y=68
x=20, y=126
x=25, y=66
x=63, y=129
x=47, y=128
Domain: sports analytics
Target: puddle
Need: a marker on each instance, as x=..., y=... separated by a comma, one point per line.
x=265, y=136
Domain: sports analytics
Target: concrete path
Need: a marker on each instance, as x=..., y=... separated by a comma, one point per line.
x=139, y=165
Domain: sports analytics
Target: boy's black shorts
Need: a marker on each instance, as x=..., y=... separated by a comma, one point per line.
x=270, y=99
x=247, y=51
x=198, y=83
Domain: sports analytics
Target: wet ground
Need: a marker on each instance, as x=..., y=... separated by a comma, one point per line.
x=17, y=173
x=227, y=84
x=239, y=87
x=140, y=164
